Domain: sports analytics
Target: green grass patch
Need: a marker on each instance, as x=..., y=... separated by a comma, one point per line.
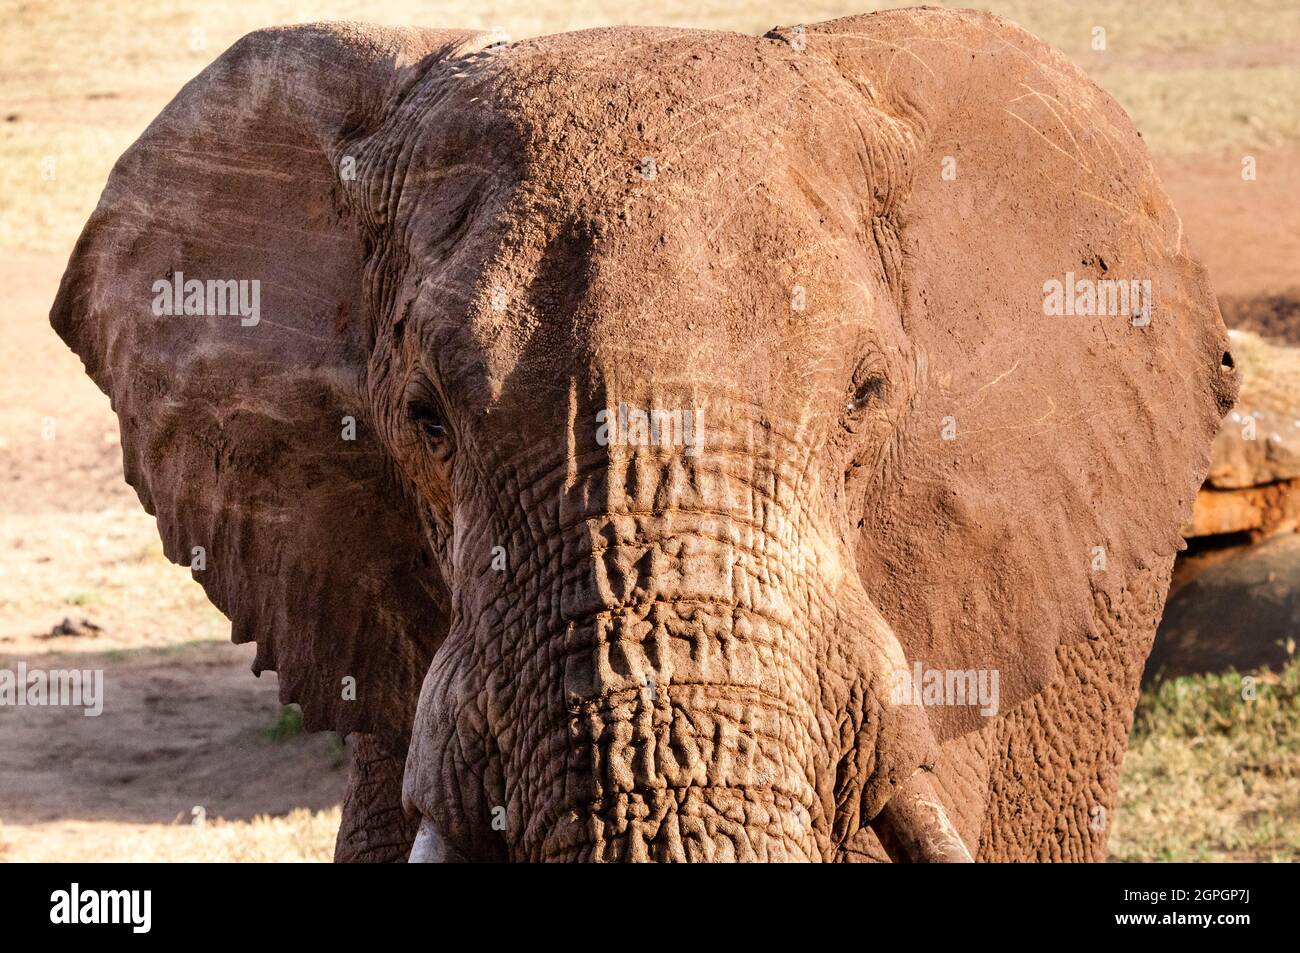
x=86, y=598
x=1213, y=770
x=287, y=725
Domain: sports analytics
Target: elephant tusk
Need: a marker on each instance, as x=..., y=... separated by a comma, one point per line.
x=914, y=827
x=429, y=847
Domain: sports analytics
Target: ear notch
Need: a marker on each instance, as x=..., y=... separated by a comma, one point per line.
x=246, y=433
x=1048, y=460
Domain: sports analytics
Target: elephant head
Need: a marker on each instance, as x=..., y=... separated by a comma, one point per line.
x=616, y=414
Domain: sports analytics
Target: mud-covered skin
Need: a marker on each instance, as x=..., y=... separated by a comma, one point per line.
x=701, y=697
x=1074, y=734
x=642, y=652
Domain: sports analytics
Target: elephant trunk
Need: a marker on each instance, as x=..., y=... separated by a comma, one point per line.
x=687, y=669
x=691, y=724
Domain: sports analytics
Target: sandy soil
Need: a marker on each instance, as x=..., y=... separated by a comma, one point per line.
x=184, y=743
x=1246, y=232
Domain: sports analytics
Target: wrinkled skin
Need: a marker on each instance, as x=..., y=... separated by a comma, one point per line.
x=565, y=648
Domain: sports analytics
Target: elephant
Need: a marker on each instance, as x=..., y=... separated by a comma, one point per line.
x=661, y=445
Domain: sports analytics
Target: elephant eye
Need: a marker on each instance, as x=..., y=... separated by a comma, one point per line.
x=427, y=418
x=867, y=390
x=424, y=411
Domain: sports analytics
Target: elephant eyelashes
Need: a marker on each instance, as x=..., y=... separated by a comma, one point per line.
x=425, y=412
x=864, y=394
x=427, y=419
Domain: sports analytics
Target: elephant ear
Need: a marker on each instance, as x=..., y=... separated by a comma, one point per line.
x=1048, y=460
x=235, y=422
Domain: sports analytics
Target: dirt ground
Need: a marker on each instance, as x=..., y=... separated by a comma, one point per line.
x=193, y=758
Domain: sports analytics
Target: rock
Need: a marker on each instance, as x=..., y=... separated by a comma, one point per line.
x=1234, y=600
x=1241, y=612
x=84, y=628
x=1262, y=510
x=1271, y=315
x=1259, y=441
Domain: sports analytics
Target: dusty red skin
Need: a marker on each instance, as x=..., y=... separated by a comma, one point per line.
x=687, y=656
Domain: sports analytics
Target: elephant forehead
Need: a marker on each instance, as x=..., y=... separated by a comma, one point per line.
x=649, y=81
x=592, y=113
x=753, y=309
x=694, y=203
